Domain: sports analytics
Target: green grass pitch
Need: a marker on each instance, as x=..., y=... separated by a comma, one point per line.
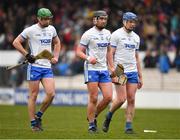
x=62, y=122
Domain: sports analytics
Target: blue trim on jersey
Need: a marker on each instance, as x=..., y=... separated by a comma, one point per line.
x=84, y=45
x=132, y=77
x=38, y=73
x=97, y=76
x=22, y=36
x=113, y=46
x=28, y=72
x=86, y=72
x=54, y=36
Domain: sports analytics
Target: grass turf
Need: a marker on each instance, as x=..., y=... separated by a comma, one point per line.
x=70, y=123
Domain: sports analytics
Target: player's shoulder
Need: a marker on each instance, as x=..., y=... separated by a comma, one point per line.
x=88, y=32
x=29, y=29
x=106, y=31
x=51, y=27
x=117, y=32
x=135, y=35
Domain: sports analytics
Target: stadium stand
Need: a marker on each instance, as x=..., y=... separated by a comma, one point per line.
x=159, y=29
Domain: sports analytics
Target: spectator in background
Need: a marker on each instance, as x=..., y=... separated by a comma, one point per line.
x=149, y=60
x=164, y=61
x=177, y=61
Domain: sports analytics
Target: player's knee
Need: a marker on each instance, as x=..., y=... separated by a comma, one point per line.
x=33, y=97
x=131, y=100
x=93, y=99
x=108, y=98
x=51, y=95
x=123, y=100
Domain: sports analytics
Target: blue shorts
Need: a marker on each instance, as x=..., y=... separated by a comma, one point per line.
x=97, y=76
x=132, y=77
x=37, y=73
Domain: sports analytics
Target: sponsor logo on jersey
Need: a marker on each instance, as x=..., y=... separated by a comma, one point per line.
x=129, y=46
x=102, y=44
x=45, y=41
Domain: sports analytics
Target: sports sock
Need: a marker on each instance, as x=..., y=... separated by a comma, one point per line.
x=91, y=124
x=33, y=122
x=128, y=125
x=109, y=115
x=39, y=114
x=96, y=115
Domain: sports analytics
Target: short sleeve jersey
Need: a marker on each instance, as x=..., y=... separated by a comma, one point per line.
x=96, y=43
x=39, y=39
x=126, y=45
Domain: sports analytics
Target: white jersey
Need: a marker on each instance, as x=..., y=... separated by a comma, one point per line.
x=39, y=39
x=126, y=45
x=96, y=43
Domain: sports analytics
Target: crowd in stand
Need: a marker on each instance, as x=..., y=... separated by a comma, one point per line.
x=158, y=27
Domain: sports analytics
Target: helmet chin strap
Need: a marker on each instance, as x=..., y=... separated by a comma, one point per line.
x=128, y=30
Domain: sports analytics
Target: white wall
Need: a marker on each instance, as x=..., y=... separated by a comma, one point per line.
x=8, y=58
x=158, y=99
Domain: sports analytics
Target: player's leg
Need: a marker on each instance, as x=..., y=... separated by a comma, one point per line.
x=105, y=86
x=131, y=90
x=117, y=101
x=49, y=87
x=92, y=102
x=106, y=89
x=33, y=92
x=119, y=97
x=48, y=83
x=33, y=76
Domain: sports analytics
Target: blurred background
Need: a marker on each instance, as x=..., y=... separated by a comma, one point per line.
x=158, y=27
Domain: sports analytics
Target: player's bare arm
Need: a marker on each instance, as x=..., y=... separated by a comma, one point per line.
x=140, y=84
x=57, y=48
x=110, y=56
x=80, y=52
x=110, y=59
x=17, y=43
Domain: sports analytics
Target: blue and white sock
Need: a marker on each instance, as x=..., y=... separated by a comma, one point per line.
x=91, y=124
x=109, y=115
x=39, y=114
x=33, y=122
x=128, y=125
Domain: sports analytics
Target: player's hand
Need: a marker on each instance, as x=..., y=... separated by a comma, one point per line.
x=54, y=60
x=30, y=58
x=140, y=83
x=114, y=79
x=92, y=60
